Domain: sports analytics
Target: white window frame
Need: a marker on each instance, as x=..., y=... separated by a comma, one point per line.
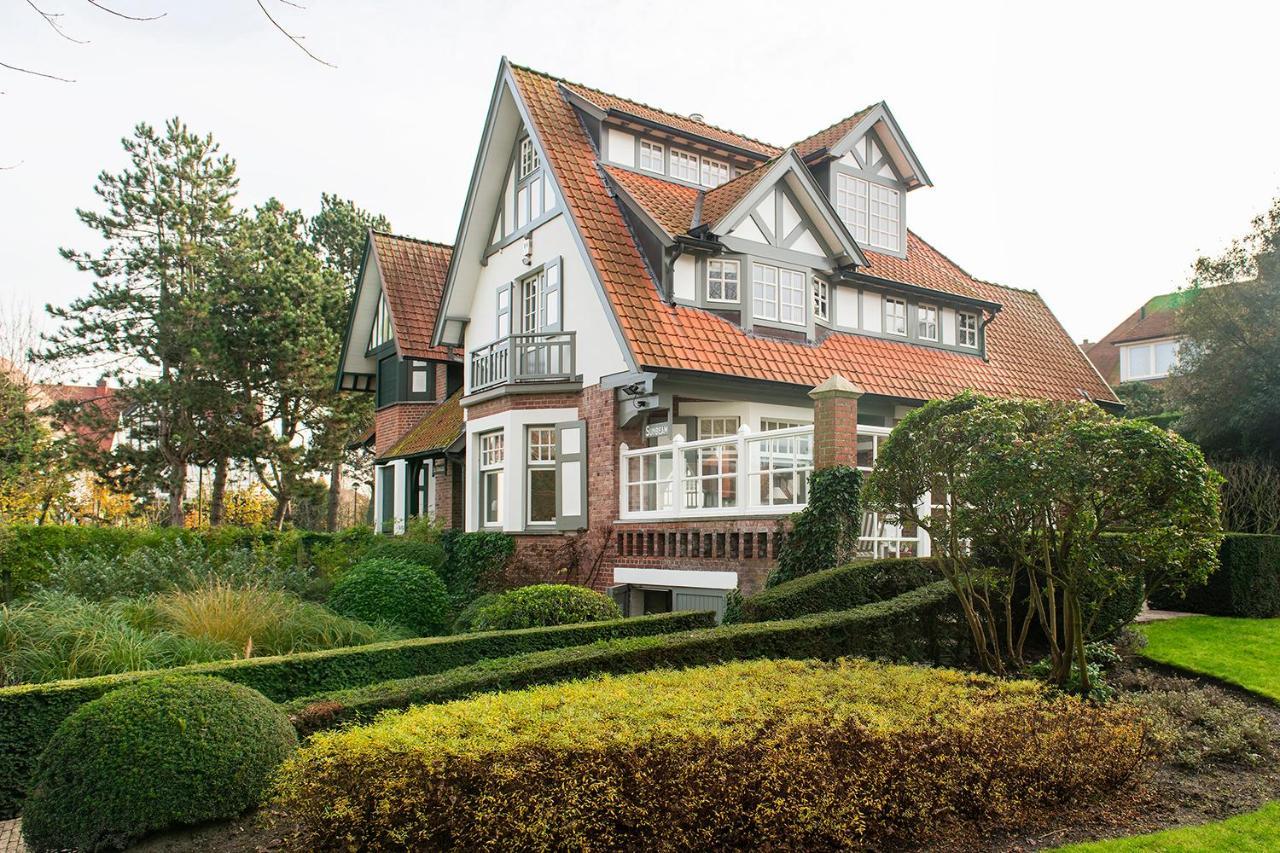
x=718, y=426
x=764, y=293
x=771, y=424
x=865, y=207
x=716, y=270
x=791, y=296
x=890, y=328
x=493, y=460
x=648, y=152
x=967, y=329
x=1150, y=348
x=529, y=162
x=707, y=165
x=821, y=299
x=681, y=161
x=381, y=332
x=545, y=447
x=927, y=329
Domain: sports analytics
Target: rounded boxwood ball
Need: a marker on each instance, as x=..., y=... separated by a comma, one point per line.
x=384, y=590
x=158, y=754
x=542, y=605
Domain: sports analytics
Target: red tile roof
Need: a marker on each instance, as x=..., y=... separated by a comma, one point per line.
x=413, y=273
x=670, y=204
x=829, y=136
x=1029, y=353
x=721, y=200
x=438, y=429
x=605, y=101
x=91, y=413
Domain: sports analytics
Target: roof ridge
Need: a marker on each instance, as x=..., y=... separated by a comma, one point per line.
x=435, y=243
x=833, y=124
x=600, y=91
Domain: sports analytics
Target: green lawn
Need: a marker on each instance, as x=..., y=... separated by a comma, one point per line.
x=1255, y=831
x=1244, y=652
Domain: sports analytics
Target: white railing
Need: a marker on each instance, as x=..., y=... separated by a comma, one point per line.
x=744, y=475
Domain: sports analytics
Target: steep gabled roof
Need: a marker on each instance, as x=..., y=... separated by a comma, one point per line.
x=1028, y=352
x=413, y=273
x=438, y=429
x=829, y=136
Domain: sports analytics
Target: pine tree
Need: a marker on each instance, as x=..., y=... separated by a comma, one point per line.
x=164, y=221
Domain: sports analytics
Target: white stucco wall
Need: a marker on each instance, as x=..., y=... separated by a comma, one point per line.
x=685, y=281
x=620, y=148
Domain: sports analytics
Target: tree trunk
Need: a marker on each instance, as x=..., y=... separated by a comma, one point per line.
x=335, y=497
x=177, y=492
x=218, y=496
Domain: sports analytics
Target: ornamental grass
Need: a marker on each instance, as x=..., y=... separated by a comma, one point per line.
x=760, y=754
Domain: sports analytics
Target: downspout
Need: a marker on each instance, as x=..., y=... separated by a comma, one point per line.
x=669, y=274
x=987, y=320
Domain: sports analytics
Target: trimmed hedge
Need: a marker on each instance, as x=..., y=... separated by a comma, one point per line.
x=165, y=753
x=841, y=588
x=27, y=551
x=921, y=626
x=760, y=755
x=29, y=714
x=1246, y=584
x=543, y=604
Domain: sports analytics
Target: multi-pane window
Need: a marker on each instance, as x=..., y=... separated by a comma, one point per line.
x=652, y=157
x=541, y=476
x=927, y=322
x=722, y=281
x=684, y=166
x=528, y=158
x=714, y=172
x=792, y=292
x=872, y=211
x=649, y=482
x=770, y=424
x=492, y=459
x=764, y=292
x=711, y=476
x=381, y=332
x=782, y=467
x=717, y=427
x=821, y=299
x=1148, y=361
x=967, y=329
x=895, y=316
x=540, y=300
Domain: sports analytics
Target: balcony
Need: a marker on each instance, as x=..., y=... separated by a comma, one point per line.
x=747, y=475
x=524, y=358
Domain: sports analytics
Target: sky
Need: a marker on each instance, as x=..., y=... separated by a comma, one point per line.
x=1089, y=151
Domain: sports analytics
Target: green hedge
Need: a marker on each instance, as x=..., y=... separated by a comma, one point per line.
x=30, y=713
x=921, y=626
x=841, y=588
x=1247, y=583
x=26, y=551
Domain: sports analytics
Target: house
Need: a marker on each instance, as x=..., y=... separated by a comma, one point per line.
x=655, y=329
x=1143, y=348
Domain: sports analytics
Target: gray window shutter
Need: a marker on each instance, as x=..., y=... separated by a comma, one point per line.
x=571, y=475
x=552, y=303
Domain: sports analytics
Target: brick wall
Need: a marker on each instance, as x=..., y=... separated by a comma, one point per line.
x=392, y=423
x=747, y=546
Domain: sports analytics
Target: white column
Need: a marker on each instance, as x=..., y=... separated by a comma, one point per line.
x=377, y=498
x=400, y=492
x=743, y=479
x=623, y=473
x=677, y=475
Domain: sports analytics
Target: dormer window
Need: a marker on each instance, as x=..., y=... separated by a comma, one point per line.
x=722, y=281
x=684, y=166
x=967, y=329
x=927, y=322
x=714, y=172
x=696, y=170
x=895, y=316
x=873, y=212
x=653, y=157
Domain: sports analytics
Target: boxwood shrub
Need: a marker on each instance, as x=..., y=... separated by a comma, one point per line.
x=841, y=588
x=1246, y=584
x=29, y=714
x=773, y=755
x=169, y=752
x=382, y=589
x=921, y=626
x=543, y=604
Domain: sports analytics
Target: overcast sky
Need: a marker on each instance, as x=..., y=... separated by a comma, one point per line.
x=1087, y=151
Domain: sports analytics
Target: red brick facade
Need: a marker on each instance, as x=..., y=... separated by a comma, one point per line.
x=392, y=423
x=835, y=423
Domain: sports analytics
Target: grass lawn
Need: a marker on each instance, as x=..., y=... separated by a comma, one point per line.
x=1244, y=652
x=1255, y=831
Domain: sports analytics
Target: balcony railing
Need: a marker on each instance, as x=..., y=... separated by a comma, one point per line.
x=745, y=475
x=524, y=357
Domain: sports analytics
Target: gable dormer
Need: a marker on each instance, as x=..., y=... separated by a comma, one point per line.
x=868, y=167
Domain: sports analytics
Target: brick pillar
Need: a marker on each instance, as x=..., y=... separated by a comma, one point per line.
x=835, y=423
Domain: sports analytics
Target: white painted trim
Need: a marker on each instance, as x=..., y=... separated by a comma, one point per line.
x=676, y=577
x=513, y=424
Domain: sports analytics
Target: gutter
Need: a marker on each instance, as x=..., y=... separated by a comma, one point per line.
x=917, y=290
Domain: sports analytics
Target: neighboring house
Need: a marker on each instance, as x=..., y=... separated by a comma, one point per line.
x=637, y=308
x=1142, y=348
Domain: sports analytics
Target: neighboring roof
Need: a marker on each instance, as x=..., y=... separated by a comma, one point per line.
x=413, y=273
x=1156, y=319
x=828, y=136
x=101, y=408
x=1028, y=352
x=605, y=101
x=438, y=429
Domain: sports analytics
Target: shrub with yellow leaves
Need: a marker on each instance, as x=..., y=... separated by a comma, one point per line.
x=761, y=754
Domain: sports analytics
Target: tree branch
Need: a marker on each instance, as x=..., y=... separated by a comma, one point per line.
x=50, y=18
x=98, y=5
x=295, y=39
x=35, y=73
